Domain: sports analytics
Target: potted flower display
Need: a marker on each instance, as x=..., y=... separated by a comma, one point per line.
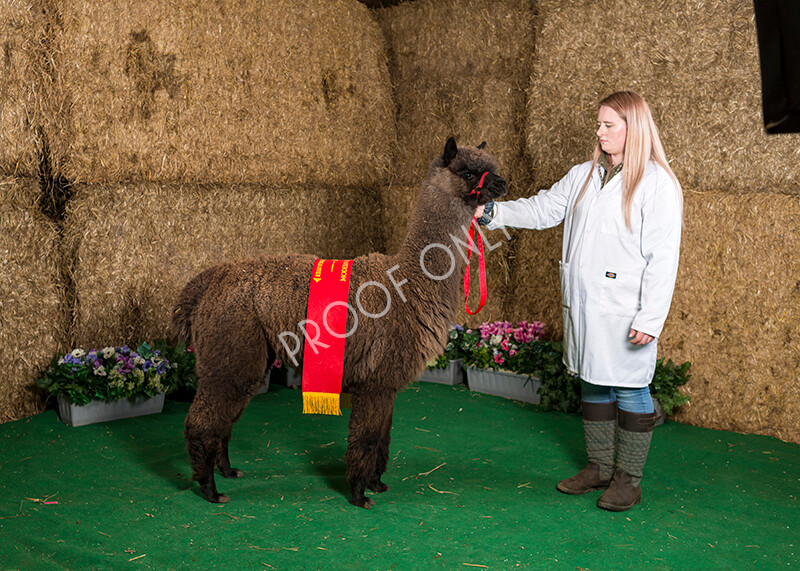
x=110, y=383
x=498, y=359
x=448, y=368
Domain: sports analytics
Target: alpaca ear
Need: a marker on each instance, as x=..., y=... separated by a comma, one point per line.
x=482, y=145
x=450, y=151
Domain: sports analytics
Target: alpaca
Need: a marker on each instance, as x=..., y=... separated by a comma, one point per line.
x=237, y=316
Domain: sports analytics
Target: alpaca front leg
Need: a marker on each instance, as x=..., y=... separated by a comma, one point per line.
x=368, y=445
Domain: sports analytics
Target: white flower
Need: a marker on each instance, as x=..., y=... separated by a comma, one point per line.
x=78, y=353
x=495, y=339
x=139, y=361
x=101, y=371
x=108, y=352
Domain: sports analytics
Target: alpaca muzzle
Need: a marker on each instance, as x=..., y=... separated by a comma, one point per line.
x=490, y=185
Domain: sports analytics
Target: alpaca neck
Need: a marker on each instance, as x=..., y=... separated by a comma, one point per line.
x=439, y=224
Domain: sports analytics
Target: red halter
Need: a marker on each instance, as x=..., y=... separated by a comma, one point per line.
x=473, y=229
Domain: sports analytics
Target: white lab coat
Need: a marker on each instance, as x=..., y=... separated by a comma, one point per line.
x=612, y=279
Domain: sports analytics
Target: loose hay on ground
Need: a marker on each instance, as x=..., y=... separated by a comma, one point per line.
x=696, y=63
x=459, y=68
x=137, y=245
x=277, y=91
x=33, y=314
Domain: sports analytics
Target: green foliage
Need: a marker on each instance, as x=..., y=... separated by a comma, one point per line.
x=666, y=380
x=114, y=373
x=182, y=376
x=455, y=349
x=560, y=390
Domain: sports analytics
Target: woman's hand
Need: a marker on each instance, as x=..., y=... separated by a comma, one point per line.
x=479, y=211
x=639, y=338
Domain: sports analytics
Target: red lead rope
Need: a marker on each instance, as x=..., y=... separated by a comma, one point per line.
x=474, y=229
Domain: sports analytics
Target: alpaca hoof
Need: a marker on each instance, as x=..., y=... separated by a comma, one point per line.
x=218, y=499
x=232, y=473
x=378, y=487
x=364, y=502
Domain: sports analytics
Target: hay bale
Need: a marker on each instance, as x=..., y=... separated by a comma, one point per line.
x=736, y=313
x=459, y=68
x=278, y=91
x=137, y=245
x=20, y=32
x=697, y=65
x=33, y=316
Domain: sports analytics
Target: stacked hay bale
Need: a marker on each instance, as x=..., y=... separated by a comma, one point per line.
x=137, y=244
x=21, y=34
x=736, y=312
x=697, y=65
x=458, y=68
x=33, y=320
x=197, y=133
x=33, y=310
x=278, y=91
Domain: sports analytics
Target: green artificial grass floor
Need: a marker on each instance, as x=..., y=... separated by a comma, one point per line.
x=472, y=481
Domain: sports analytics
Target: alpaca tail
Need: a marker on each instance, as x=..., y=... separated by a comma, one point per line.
x=187, y=300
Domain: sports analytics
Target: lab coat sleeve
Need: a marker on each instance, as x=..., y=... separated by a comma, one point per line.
x=661, y=241
x=543, y=210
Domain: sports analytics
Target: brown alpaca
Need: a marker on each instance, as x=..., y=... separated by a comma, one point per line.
x=239, y=315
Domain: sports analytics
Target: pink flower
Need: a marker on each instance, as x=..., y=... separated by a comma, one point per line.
x=504, y=344
x=499, y=359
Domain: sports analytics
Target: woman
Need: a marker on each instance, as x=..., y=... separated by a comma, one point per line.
x=622, y=226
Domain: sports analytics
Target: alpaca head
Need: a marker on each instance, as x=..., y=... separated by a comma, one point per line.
x=469, y=174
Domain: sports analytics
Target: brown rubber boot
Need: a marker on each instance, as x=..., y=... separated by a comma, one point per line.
x=635, y=432
x=600, y=433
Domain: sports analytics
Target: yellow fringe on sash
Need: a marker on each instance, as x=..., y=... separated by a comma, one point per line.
x=321, y=403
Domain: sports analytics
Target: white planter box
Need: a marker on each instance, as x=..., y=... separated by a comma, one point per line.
x=101, y=411
x=508, y=385
x=453, y=374
x=294, y=378
x=265, y=387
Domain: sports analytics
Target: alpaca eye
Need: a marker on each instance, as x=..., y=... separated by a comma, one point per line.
x=467, y=176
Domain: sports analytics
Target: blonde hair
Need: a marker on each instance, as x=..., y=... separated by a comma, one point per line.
x=642, y=145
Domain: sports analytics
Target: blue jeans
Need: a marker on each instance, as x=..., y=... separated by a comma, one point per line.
x=631, y=400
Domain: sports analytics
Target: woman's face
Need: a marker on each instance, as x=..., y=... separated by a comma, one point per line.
x=611, y=132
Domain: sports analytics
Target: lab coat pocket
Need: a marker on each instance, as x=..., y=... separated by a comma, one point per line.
x=621, y=293
x=563, y=274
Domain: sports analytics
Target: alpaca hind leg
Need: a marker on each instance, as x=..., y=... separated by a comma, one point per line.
x=208, y=431
x=223, y=460
x=382, y=458
x=367, y=449
x=203, y=449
